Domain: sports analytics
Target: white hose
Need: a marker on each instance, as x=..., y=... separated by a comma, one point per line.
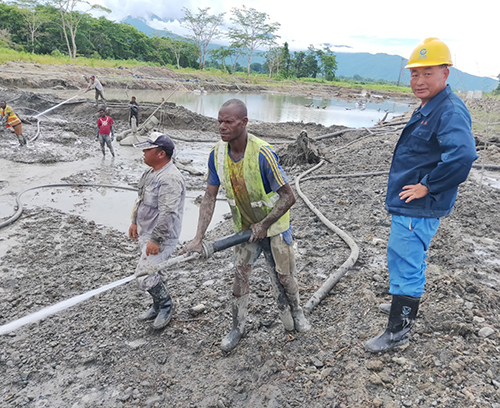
x=59, y=104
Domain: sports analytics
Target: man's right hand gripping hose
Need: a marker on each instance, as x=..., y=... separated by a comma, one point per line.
x=188, y=253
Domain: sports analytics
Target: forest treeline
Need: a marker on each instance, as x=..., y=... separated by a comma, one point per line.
x=58, y=28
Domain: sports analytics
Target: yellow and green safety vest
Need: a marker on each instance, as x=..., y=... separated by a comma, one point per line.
x=261, y=202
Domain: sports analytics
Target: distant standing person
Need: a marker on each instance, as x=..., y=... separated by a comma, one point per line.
x=157, y=222
x=433, y=156
x=99, y=90
x=105, y=132
x=134, y=111
x=10, y=119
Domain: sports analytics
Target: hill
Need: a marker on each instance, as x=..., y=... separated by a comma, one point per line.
x=388, y=67
x=365, y=65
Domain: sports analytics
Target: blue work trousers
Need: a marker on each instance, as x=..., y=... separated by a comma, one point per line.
x=409, y=240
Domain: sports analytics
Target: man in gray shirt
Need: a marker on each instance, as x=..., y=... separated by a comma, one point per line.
x=99, y=90
x=157, y=221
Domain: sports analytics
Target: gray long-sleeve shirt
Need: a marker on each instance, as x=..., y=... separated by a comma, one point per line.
x=158, y=213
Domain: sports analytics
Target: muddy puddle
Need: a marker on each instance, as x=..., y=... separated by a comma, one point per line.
x=105, y=206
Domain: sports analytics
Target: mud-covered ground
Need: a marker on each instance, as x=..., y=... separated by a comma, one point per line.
x=96, y=354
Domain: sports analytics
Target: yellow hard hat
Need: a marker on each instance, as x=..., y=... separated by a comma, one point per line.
x=429, y=53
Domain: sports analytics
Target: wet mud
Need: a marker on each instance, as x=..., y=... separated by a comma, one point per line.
x=96, y=354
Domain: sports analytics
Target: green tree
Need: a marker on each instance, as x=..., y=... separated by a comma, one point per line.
x=251, y=31
x=256, y=67
x=328, y=64
x=179, y=49
x=298, y=64
x=497, y=90
x=204, y=27
x=71, y=19
x=33, y=17
x=286, y=69
x=219, y=56
x=11, y=20
x=274, y=58
x=311, y=67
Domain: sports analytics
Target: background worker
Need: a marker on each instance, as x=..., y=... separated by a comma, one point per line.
x=99, y=90
x=10, y=119
x=105, y=132
x=433, y=155
x=259, y=196
x=134, y=111
x=157, y=222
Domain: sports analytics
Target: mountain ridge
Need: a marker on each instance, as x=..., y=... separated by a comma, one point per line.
x=379, y=66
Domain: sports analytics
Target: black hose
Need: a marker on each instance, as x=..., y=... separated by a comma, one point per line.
x=232, y=240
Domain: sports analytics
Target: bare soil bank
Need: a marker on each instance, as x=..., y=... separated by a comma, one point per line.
x=96, y=354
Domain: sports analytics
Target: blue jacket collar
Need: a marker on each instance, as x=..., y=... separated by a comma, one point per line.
x=429, y=106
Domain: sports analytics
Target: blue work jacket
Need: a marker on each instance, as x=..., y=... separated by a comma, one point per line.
x=436, y=149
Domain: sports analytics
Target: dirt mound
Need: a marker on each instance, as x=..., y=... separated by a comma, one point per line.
x=96, y=354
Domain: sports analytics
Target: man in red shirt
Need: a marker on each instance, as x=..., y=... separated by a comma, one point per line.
x=105, y=133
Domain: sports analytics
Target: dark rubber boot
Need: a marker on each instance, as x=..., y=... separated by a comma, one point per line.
x=165, y=305
x=151, y=313
x=240, y=311
x=401, y=317
x=385, y=308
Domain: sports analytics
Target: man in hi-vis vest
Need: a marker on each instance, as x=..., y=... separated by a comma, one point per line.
x=259, y=196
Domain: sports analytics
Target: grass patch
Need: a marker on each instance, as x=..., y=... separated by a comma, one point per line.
x=57, y=58
x=7, y=54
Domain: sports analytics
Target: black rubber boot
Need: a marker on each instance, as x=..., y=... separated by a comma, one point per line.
x=240, y=311
x=165, y=305
x=385, y=308
x=401, y=317
x=151, y=313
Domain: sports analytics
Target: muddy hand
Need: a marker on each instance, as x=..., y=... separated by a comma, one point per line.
x=259, y=232
x=192, y=246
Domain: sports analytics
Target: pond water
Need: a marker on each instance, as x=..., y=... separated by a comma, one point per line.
x=270, y=107
x=97, y=204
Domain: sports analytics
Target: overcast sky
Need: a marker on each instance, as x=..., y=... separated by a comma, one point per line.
x=470, y=29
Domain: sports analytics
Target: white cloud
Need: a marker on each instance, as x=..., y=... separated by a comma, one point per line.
x=389, y=26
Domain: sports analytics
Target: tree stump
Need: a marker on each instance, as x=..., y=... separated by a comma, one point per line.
x=303, y=151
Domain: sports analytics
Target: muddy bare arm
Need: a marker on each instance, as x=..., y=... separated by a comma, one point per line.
x=286, y=200
x=207, y=207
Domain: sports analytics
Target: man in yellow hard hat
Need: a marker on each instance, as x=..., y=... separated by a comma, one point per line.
x=434, y=154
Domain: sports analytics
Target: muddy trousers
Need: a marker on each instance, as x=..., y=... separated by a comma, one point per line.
x=99, y=94
x=106, y=140
x=163, y=307
x=281, y=267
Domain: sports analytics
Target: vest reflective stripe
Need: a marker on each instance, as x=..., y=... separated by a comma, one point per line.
x=261, y=203
x=270, y=203
x=12, y=118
